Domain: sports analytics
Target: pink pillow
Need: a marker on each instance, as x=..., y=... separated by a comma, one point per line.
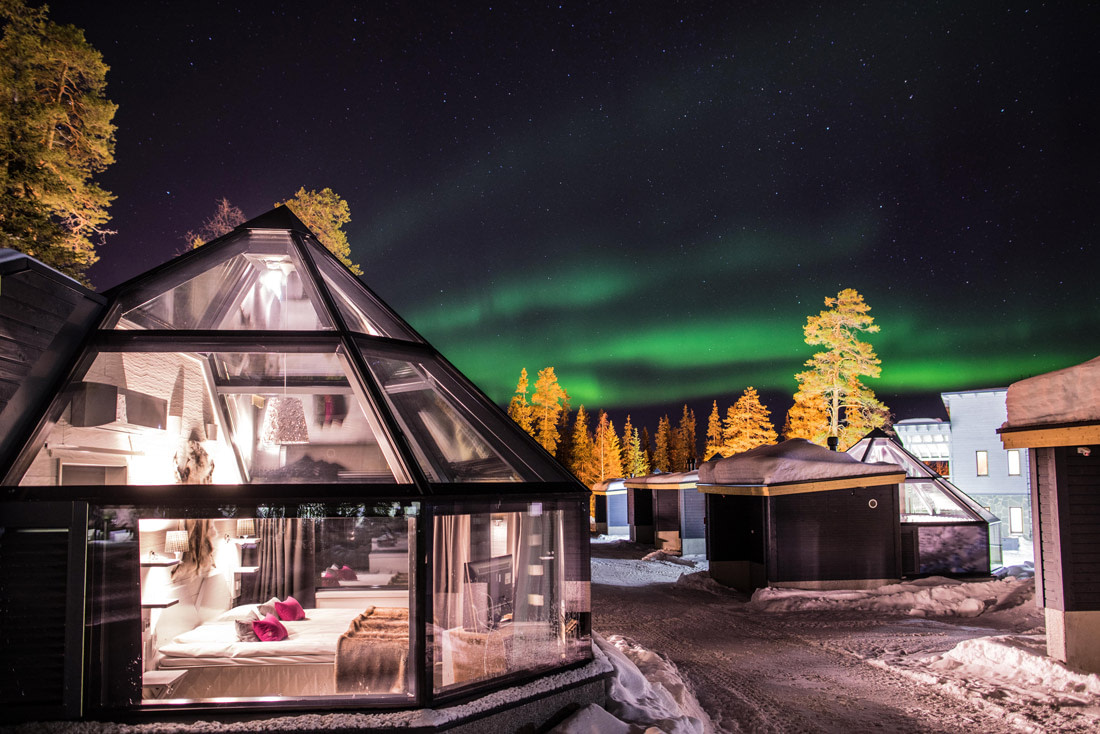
x=269, y=629
x=346, y=574
x=290, y=610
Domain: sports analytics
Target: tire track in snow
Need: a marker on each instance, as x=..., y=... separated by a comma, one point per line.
x=757, y=673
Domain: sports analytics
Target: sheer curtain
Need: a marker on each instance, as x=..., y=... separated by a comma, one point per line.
x=286, y=551
x=452, y=551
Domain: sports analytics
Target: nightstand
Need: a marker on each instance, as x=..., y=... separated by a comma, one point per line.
x=160, y=683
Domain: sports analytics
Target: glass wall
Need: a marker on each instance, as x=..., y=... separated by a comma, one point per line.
x=217, y=418
x=253, y=607
x=507, y=594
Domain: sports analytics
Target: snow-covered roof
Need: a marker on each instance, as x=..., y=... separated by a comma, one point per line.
x=665, y=480
x=609, y=485
x=1070, y=395
x=794, y=460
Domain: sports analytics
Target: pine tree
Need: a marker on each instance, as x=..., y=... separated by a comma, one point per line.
x=564, y=453
x=606, y=449
x=747, y=425
x=662, y=456
x=627, y=446
x=639, y=465
x=687, y=439
x=56, y=131
x=582, y=464
x=518, y=408
x=647, y=449
x=325, y=213
x=546, y=407
x=714, y=434
x=807, y=418
x=222, y=221
x=833, y=377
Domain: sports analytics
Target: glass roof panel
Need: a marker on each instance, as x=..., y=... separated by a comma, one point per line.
x=455, y=435
x=930, y=502
x=361, y=310
x=262, y=288
x=217, y=418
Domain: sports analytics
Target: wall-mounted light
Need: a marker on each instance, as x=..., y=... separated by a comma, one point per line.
x=246, y=528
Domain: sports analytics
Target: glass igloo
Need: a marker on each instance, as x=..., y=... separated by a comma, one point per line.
x=943, y=530
x=268, y=490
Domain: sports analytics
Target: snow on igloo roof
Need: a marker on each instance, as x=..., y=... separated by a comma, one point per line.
x=665, y=478
x=794, y=460
x=1069, y=395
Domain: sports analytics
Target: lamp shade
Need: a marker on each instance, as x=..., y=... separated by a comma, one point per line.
x=285, y=421
x=246, y=528
x=175, y=541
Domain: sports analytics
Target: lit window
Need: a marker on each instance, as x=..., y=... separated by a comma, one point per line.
x=983, y=463
x=1014, y=462
x=1016, y=520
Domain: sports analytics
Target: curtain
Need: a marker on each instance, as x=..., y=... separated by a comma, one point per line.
x=286, y=560
x=452, y=551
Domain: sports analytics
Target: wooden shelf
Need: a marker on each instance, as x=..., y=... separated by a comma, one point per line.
x=247, y=569
x=161, y=604
x=159, y=562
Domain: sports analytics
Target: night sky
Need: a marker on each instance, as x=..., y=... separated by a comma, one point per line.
x=651, y=197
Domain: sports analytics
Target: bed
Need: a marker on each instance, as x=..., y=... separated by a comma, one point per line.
x=306, y=663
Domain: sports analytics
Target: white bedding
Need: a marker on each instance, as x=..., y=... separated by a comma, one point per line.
x=311, y=640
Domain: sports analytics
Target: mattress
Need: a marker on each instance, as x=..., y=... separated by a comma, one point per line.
x=311, y=640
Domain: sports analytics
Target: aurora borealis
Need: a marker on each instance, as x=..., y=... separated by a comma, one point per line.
x=649, y=197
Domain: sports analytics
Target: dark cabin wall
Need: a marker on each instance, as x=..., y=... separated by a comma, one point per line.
x=836, y=535
x=1069, y=526
x=666, y=510
x=735, y=528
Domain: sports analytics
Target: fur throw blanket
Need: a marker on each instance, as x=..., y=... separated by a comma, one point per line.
x=371, y=657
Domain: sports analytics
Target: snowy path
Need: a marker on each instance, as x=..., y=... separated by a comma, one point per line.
x=797, y=671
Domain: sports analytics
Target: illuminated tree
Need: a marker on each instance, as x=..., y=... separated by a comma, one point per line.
x=689, y=451
x=565, y=430
x=639, y=463
x=647, y=449
x=546, y=407
x=747, y=425
x=662, y=459
x=606, y=450
x=634, y=458
x=581, y=462
x=833, y=378
x=56, y=131
x=225, y=218
x=518, y=408
x=807, y=418
x=625, y=443
x=325, y=213
x=714, y=434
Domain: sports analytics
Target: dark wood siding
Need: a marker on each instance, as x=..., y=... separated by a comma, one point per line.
x=735, y=528
x=836, y=535
x=1081, y=527
x=692, y=510
x=666, y=510
x=639, y=506
x=41, y=604
x=599, y=502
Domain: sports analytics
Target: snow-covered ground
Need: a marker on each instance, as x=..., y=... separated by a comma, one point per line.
x=928, y=655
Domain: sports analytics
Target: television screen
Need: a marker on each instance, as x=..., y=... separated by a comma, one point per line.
x=489, y=592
